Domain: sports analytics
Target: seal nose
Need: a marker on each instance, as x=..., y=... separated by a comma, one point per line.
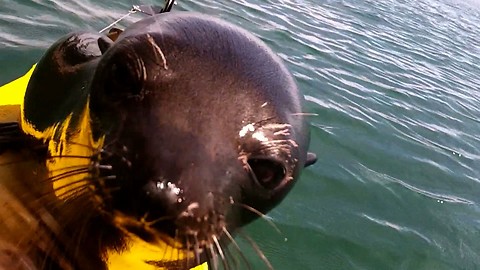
x=168, y=199
x=194, y=217
x=198, y=209
x=164, y=198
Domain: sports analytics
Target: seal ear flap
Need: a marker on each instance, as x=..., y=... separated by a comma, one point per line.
x=311, y=159
x=104, y=43
x=125, y=77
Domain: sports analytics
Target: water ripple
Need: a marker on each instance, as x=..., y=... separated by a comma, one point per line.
x=395, y=87
x=397, y=227
x=386, y=179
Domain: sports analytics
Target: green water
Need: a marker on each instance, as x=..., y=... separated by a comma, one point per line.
x=395, y=86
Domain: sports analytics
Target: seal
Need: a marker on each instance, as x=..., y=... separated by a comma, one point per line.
x=157, y=146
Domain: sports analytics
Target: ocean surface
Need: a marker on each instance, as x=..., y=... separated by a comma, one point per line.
x=395, y=89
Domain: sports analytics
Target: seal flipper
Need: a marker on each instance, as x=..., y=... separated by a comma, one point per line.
x=311, y=159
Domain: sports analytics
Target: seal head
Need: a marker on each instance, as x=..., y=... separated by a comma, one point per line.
x=204, y=127
x=160, y=142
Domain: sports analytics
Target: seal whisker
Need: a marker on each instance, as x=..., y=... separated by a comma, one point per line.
x=14, y=162
x=102, y=179
x=157, y=51
x=304, y=114
x=169, y=255
x=110, y=154
x=51, y=225
x=260, y=214
x=220, y=252
x=49, y=252
x=82, y=232
x=77, y=184
x=106, y=153
x=231, y=257
x=250, y=172
x=122, y=158
x=11, y=203
x=67, y=168
x=69, y=156
x=155, y=221
x=71, y=194
x=55, y=204
x=197, y=249
x=117, y=149
x=176, y=240
x=67, y=174
x=114, y=141
x=66, y=196
x=102, y=167
x=73, y=183
x=144, y=69
x=87, y=146
x=178, y=250
x=189, y=246
x=177, y=254
x=78, y=190
x=237, y=247
x=264, y=120
x=257, y=250
x=213, y=256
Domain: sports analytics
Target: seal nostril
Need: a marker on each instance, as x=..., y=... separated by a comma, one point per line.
x=267, y=172
x=162, y=196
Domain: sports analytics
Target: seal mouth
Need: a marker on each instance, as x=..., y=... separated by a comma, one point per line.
x=199, y=231
x=149, y=231
x=199, y=238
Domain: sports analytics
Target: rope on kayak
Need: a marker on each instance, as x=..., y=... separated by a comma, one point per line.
x=145, y=9
x=133, y=10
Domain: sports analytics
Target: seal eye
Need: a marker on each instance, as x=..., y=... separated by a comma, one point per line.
x=268, y=173
x=125, y=78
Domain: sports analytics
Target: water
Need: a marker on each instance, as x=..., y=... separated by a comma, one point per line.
x=395, y=86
